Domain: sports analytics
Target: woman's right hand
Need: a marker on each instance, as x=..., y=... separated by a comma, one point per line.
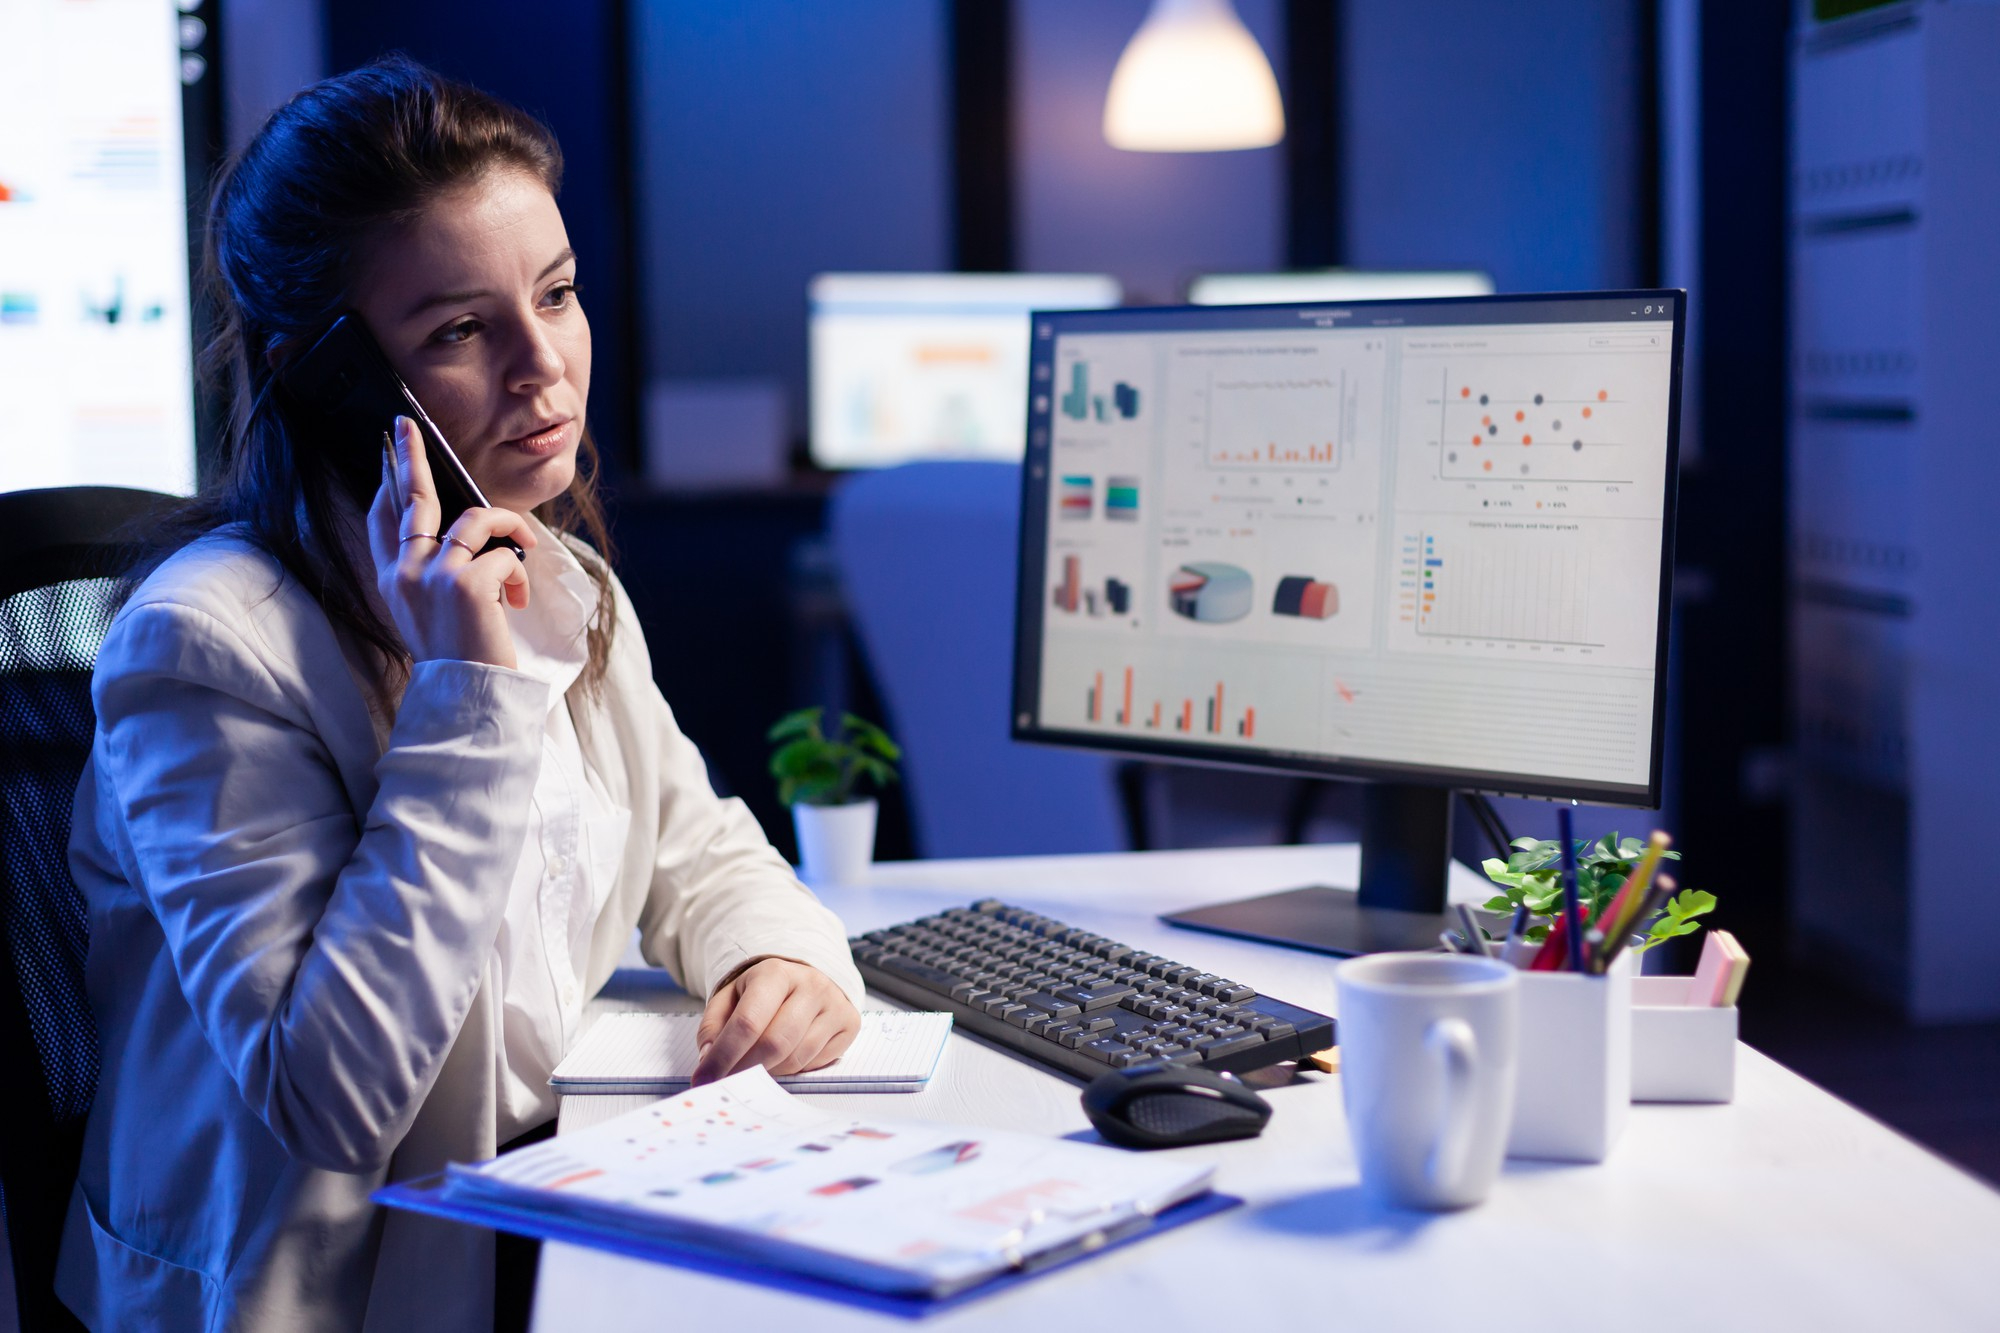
x=448, y=601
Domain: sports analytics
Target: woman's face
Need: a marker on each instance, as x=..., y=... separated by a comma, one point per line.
x=475, y=304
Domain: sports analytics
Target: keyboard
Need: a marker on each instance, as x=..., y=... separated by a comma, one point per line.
x=1078, y=1002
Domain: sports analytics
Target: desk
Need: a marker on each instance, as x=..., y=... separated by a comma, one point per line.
x=1786, y=1210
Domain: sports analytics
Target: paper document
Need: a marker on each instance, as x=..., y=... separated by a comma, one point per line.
x=741, y=1167
x=894, y=1052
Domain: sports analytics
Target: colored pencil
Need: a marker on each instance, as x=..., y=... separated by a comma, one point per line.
x=1617, y=916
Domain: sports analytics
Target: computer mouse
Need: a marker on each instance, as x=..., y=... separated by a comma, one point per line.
x=1172, y=1106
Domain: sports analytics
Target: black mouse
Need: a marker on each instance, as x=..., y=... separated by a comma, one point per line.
x=1172, y=1106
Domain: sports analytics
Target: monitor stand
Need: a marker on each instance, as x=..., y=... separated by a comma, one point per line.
x=1405, y=859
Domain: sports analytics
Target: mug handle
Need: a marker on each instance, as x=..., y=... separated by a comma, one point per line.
x=1454, y=1043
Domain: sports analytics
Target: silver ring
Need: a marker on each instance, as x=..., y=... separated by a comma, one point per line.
x=456, y=541
x=421, y=537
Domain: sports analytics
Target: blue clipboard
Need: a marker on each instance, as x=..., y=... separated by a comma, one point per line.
x=427, y=1195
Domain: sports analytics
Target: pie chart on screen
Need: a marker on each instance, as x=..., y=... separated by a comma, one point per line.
x=1210, y=592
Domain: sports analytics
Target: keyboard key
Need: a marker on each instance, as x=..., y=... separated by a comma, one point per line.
x=1049, y=1004
x=1105, y=1049
x=1100, y=996
x=1237, y=993
x=1211, y=1047
x=931, y=978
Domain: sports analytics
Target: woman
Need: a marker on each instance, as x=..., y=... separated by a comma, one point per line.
x=371, y=814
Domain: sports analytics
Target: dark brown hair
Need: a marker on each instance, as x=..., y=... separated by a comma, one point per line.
x=346, y=158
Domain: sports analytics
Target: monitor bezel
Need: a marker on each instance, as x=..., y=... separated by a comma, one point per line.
x=1032, y=553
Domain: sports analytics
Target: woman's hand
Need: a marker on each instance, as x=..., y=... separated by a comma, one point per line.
x=447, y=600
x=776, y=1013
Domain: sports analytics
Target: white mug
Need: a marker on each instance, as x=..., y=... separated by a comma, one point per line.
x=1427, y=1059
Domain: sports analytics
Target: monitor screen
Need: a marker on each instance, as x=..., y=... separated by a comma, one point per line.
x=1423, y=541
x=1334, y=284
x=928, y=365
x=95, y=354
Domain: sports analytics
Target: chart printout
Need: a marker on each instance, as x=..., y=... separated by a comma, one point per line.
x=1435, y=546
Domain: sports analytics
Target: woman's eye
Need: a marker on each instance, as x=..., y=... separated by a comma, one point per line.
x=560, y=295
x=457, y=333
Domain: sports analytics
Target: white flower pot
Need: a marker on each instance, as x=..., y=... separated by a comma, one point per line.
x=836, y=842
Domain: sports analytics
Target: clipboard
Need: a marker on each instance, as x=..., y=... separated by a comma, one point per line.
x=427, y=1195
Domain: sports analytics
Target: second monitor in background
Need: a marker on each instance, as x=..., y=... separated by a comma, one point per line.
x=929, y=365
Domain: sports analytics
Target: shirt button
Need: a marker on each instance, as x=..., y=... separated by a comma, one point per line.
x=569, y=994
x=558, y=864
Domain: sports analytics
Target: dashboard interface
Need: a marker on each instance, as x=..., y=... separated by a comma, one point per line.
x=1415, y=539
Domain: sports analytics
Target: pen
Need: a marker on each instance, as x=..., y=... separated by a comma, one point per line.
x=1473, y=932
x=1515, y=950
x=1572, y=908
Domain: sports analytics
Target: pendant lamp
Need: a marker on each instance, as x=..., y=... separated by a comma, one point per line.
x=1193, y=80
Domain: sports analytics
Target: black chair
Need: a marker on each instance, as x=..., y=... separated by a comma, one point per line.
x=60, y=553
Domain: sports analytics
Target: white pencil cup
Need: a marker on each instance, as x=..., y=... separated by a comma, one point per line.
x=1574, y=1088
x=1681, y=1052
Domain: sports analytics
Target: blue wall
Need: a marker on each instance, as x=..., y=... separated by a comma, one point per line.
x=775, y=140
x=1495, y=136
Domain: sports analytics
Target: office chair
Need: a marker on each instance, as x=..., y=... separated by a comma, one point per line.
x=60, y=551
x=926, y=554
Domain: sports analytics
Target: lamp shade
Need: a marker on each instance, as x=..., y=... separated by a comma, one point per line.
x=1193, y=80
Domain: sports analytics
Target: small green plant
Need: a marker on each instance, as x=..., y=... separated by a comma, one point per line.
x=814, y=767
x=1532, y=875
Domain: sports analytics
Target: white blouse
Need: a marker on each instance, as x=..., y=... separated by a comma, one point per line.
x=569, y=859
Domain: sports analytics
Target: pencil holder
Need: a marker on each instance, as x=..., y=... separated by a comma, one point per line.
x=1574, y=1087
x=1681, y=1052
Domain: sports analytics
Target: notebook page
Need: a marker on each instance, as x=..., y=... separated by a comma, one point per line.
x=892, y=1047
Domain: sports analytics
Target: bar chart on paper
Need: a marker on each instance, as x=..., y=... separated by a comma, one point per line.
x=1521, y=583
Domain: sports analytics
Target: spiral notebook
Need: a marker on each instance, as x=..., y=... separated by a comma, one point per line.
x=626, y=1053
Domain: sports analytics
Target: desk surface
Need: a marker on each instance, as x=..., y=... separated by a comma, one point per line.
x=1787, y=1209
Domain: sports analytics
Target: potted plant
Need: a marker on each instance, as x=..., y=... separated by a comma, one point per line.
x=817, y=772
x=1531, y=876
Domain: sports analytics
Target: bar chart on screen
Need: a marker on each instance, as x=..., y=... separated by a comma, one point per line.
x=1214, y=714
x=1150, y=691
x=1520, y=583
x=1266, y=420
x=1554, y=588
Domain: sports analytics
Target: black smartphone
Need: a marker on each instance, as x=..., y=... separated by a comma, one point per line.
x=346, y=382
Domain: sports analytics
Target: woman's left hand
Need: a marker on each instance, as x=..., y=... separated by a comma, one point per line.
x=783, y=1015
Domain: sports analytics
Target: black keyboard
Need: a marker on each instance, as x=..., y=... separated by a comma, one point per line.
x=1074, y=1001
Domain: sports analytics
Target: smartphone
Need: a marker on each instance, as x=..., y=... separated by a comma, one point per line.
x=355, y=395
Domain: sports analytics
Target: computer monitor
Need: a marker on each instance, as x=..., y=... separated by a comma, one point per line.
x=928, y=365
x=1335, y=284
x=1422, y=543
x=96, y=151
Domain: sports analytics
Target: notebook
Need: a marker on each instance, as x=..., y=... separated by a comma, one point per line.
x=894, y=1052
x=742, y=1171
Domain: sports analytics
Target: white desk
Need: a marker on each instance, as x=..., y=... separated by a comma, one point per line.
x=1786, y=1210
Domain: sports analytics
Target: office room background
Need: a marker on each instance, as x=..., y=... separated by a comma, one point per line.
x=1832, y=723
